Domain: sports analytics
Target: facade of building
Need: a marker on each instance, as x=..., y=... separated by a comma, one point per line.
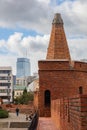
x=18, y=91
x=25, y=81
x=14, y=80
x=23, y=67
x=62, y=83
x=6, y=84
x=21, y=81
x=33, y=86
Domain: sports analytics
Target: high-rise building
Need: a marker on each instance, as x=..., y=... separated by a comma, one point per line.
x=6, y=84
x=23, y=67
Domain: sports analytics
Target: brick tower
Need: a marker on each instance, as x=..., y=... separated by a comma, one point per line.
x=58, y=48
x=57, y=55
x=62, y=85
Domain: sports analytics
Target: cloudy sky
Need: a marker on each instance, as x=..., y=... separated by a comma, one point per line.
x=25, y=26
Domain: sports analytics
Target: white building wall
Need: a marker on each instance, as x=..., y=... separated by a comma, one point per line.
x=6, y=83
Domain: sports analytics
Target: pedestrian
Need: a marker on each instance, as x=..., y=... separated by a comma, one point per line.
x=17, y=111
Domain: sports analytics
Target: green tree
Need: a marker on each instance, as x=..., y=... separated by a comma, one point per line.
x=25, y=98
x=25, y=91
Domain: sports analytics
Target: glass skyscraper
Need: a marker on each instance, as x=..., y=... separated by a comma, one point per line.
x=23, y=67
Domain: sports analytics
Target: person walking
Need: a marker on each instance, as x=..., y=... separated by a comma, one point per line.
x=17, y=111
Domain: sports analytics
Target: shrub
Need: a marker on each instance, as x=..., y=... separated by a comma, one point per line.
x=3, y=113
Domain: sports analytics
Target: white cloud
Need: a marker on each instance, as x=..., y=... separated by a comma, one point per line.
x=74, y=16
x=29, y=14
x=2, y=43
x=17, y=45
x=36, y=49
x=37, y=15
x=44, y=1
x=8, y=61
x=14, y=42
x=78, y=48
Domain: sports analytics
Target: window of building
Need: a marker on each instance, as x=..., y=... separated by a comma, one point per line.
x=3, y=91
x=5, y=71
x=20, y=93
x=5, y=84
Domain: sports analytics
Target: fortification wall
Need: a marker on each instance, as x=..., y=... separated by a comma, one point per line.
x=54, y=65
x=61, y=79
x=70, y=113
x=36, y=100
x=61, y=82
x=62, y=65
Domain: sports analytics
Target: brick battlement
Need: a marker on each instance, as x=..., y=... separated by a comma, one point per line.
x=70, y=113
x=62, y=65
x=54, y=65
x=80, y=66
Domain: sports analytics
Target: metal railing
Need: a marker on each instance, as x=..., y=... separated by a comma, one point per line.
x=34, y=122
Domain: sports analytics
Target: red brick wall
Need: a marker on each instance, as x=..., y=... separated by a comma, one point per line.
x=36, y=100
x=62, y=79
x=55, y=112
x=70, y=113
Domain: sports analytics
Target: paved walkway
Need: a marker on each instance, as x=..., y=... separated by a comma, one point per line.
x=46, y=124
x=14, y=118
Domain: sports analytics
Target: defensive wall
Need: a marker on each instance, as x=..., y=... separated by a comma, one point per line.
x=70, y=113
x=60, y=80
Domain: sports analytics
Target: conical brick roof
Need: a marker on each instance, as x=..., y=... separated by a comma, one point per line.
x=58, y=48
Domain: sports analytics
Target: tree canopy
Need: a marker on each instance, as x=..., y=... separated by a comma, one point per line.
x=25, y=98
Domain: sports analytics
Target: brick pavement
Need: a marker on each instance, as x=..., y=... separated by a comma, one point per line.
x=46, y=124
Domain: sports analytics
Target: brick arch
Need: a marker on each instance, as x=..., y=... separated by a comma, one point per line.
x=47, y=98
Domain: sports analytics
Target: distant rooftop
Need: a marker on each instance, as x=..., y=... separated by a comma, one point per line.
x=19, y=87
x=22, y=59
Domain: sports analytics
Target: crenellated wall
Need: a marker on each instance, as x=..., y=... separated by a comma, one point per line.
x=62, y=65
x=70, y=113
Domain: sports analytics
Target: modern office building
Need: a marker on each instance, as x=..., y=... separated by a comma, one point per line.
x=6, y=84
x=23, y=67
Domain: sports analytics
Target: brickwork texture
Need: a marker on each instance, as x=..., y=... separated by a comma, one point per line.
x=64, y=80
